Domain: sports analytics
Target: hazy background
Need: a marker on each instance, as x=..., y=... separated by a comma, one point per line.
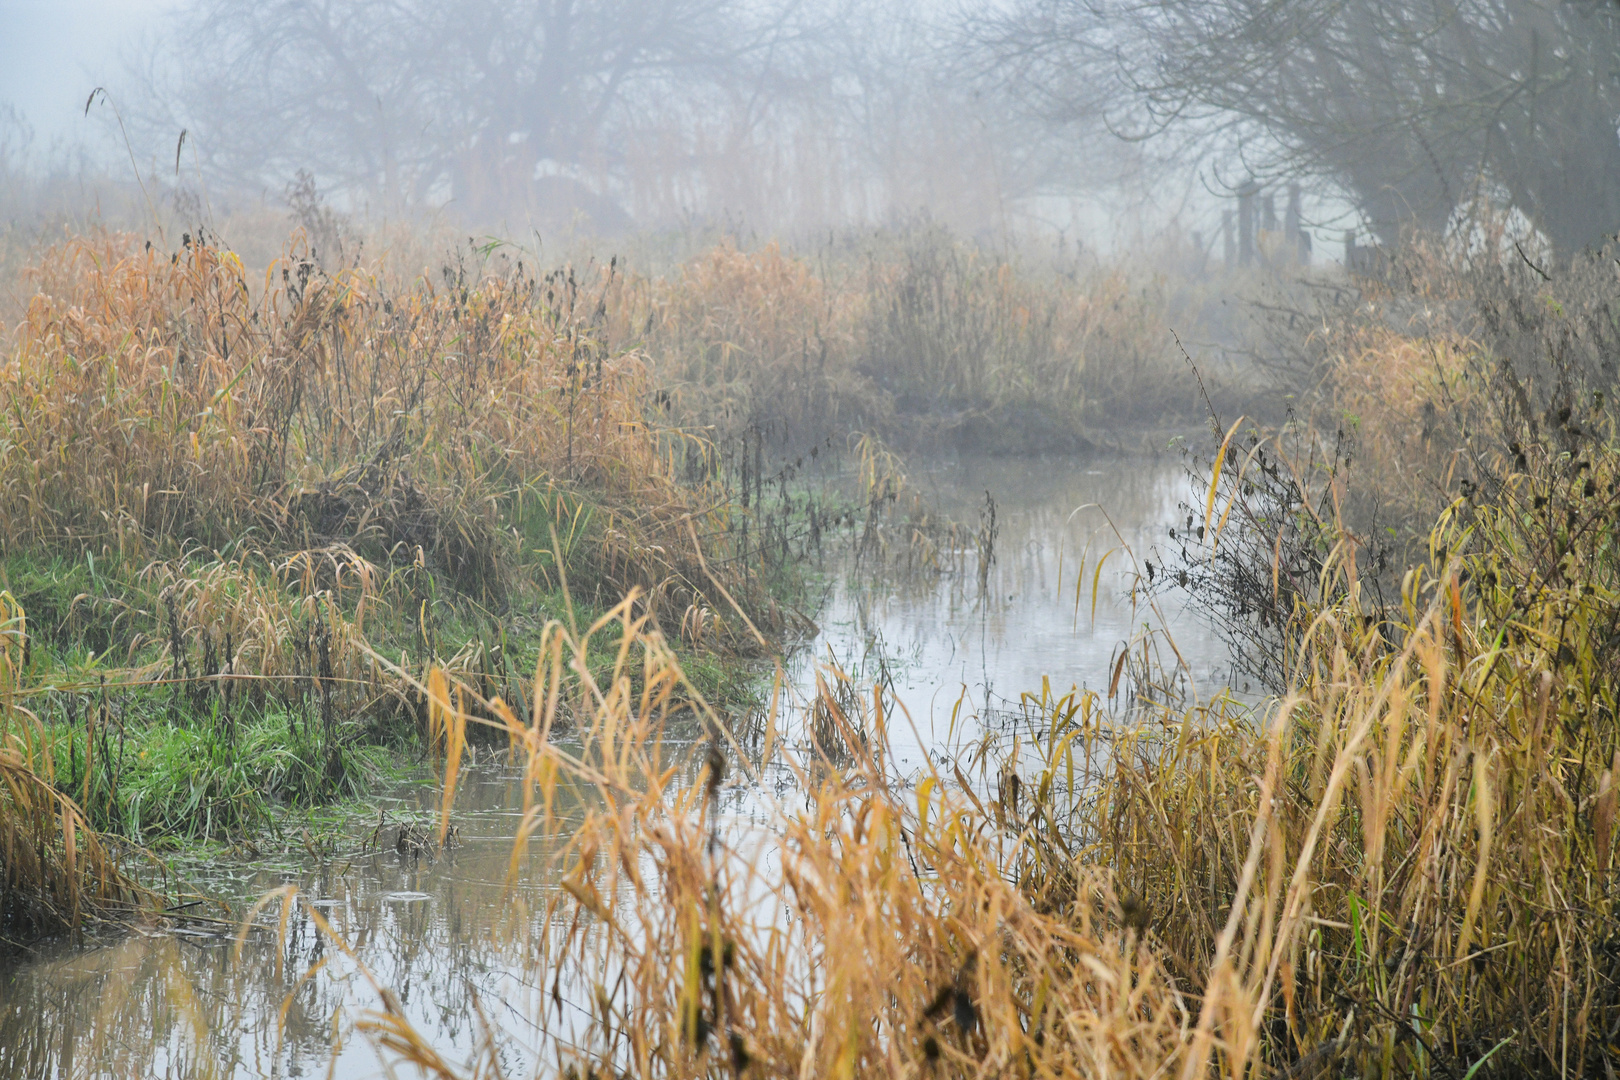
x=1100, y=122
x=775, y=120
x=54, y=52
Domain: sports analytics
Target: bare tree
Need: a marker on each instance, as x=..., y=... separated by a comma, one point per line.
x=794, y=114
x=874, y=121
x=497, y=105
x=1414, y=108
x=269, y=88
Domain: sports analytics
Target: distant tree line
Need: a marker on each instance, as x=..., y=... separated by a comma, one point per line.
x=817, y=111
x=764, y=109
x=1416, y=109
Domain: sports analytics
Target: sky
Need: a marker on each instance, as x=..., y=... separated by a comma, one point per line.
x=54, y=52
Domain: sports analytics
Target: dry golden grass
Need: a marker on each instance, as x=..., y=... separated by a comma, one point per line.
x=282, y=474
x=917, y=337
x=55, y=871
x=154, y=398
x=1401, y=867
x=310, y=448
x=866, y=930
x=752, y=337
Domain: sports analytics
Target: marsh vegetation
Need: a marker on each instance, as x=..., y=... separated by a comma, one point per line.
x=286, y=530
x=667, y=559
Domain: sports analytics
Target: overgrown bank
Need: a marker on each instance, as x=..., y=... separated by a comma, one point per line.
x=931, y=342
x=1422, y=566
x=241, y=520
x=1401, y=864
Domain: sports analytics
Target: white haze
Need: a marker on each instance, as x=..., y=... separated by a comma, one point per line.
x=53, y=53
x=868, y=124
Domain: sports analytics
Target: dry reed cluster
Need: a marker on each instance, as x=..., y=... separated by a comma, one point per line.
x=867, y=929
x=225, y=501
x=282, y=461
x=918, y=337
x=1439, y=772
x=162, y=400
x=1406, y=864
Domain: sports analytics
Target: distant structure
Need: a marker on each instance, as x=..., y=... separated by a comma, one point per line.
x=1364, y=259
x=1258, y=239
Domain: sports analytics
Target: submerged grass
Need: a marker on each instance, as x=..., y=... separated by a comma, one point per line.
x=55, y=870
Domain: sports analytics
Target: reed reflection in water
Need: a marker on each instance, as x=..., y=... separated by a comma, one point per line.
x=459, y=947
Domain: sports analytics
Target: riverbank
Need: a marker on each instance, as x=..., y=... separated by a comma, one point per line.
x=1190, y=883
x=1015, y=821
x=242, y=524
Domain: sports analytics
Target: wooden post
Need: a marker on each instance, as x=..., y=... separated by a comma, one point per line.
x=1294, y=235
x=1246, y=222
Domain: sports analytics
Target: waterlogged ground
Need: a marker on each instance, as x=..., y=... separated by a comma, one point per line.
x=185, y=1004
x=438, y=930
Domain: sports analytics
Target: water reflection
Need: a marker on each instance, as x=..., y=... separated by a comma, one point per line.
x=435, y=930
x=955, y=654
x=182, y=1004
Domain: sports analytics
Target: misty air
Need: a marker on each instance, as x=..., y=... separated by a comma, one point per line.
x=602, y=539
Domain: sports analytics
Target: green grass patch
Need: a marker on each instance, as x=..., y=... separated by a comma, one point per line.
x=199, y=701
x=161, y=783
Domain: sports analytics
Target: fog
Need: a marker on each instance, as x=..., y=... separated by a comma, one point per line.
x=54, y=52
x=916, y=400
x=1097, y=121
x=602, y=118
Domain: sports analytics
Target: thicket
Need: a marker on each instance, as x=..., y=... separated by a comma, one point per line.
x=1448, y=372
x=1421, y=565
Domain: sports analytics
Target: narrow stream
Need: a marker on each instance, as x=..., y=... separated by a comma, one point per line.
x=184, y=1004
x=956, y=654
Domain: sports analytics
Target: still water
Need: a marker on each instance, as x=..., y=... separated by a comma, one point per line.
x=956, y=651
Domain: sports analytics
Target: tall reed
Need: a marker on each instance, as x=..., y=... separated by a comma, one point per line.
x=1401, y=866
x=916, y=336
x=231, y=498
x=866, y=929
